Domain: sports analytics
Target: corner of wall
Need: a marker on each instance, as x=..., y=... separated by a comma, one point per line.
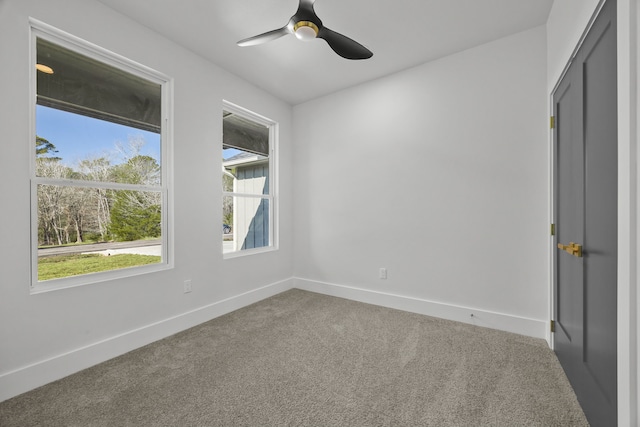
x=40, y=373
x=487, y=319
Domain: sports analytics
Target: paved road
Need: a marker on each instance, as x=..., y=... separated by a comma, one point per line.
x=107, y=246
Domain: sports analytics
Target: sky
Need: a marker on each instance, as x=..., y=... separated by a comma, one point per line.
x=77, y=137
x=227, y=153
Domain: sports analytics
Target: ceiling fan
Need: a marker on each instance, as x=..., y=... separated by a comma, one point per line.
x=306, y=25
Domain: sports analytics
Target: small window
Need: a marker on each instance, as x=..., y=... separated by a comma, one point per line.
x=247, y=178
x=99, y=178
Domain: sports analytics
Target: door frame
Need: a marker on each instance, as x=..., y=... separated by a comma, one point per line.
x=628, y=351
x=553, y=175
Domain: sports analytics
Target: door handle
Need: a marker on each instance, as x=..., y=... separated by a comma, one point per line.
x=572, y=248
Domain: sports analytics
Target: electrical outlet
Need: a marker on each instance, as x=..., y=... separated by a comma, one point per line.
x=187, y=286
x=383, y=273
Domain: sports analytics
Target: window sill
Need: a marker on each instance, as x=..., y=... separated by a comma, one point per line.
x=247, y=252
x=94, y=278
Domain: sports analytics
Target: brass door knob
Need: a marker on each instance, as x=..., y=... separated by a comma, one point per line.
x=572, y=248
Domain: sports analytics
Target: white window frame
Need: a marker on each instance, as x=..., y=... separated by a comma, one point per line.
x=273, y=181
x=44, y=31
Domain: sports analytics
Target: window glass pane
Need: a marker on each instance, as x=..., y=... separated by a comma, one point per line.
x=70, y=81
x=74, y=146
x=244, y=134
x=252, y=222
x=247, y=219
x=246, y=181
x=245, y=155
x=98, y=120
x=87, y=230
x=228, y=228
x=75, y=215
x=245, y=172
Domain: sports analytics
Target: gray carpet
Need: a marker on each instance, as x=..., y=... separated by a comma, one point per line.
x=304, y=359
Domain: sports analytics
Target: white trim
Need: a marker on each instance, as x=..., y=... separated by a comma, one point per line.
x=33, y=199
x=69, y=41
x=274, y=171
x=246, y=161
x=628, y=213
x=552, y=220
x=92, y=278
x=247, y=114
x=107, y=185
x=246, y=252
x=248, y=195
x=37, y=374
x=592, y=20
x=167, y=171
x=59, y=366
x=39, y=29
x=488, y=319
x=272, y=197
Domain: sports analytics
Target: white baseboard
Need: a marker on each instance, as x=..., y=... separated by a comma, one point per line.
x=40, y=373
x=504, y=322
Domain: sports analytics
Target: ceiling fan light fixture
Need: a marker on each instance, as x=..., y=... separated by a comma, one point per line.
x=306, y=30
x=306, y=25
x=44, y=68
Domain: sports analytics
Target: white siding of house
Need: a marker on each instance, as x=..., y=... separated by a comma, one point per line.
x=251, y=215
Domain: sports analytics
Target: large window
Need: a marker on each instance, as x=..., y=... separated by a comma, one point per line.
x=99, y=170
x=248, y=205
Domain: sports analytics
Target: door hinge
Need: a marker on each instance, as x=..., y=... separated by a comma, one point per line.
x=553, y=229
x=553, y=326
x=552, y=122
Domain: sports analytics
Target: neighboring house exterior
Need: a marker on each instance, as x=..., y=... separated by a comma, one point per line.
x=250, y=215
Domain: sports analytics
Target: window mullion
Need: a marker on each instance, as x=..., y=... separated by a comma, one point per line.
x=249, y=159
x=249, y=195
x=78, y=203
x=96, y=184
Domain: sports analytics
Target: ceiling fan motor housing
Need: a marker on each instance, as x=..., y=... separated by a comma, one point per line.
x=306, y=25
x=305, y=30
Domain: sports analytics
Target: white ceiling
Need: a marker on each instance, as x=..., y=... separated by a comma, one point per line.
x=401, y=34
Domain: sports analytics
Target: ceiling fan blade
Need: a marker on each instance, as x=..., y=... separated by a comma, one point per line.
x=265, y=37
x=307, y=3
x=343, y=45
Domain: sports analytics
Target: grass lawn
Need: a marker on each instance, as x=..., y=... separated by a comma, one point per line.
x=56, y=267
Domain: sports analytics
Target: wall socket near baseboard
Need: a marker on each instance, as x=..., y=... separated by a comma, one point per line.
x=187, y=286
x=383, y=273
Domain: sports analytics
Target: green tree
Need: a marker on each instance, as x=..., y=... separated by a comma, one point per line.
x=136, y=214
x=44, y=148
x=138, y=170
x=132, y=218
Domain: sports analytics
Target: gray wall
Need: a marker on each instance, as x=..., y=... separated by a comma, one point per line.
x=51, y=334
x=439, y=174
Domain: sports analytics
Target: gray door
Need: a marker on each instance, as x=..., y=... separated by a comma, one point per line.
x=585, y=107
